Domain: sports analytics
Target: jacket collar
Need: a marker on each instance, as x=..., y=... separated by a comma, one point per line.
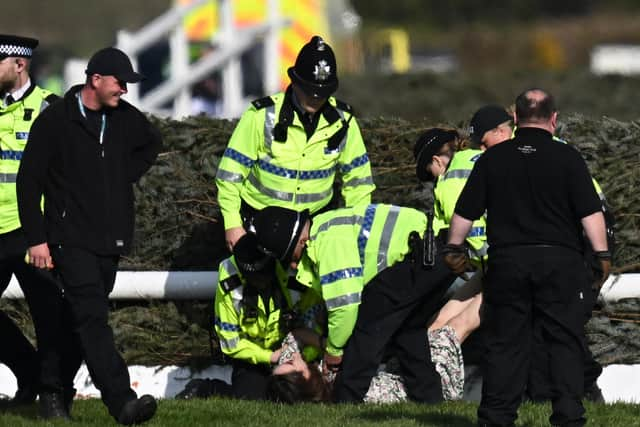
x=532, y=132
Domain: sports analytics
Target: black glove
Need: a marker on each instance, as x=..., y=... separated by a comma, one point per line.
x=603, y=260
x=456, y=257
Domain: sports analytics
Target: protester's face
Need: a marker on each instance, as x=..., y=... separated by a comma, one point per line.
x=309, y=103
x=8, y=74
x=294, y=365
x=109, y=90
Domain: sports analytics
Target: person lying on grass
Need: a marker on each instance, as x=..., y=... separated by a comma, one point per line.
x=294, y=380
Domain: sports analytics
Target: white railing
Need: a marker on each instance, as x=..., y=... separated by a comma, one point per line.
x=177, y=285
x=228, y=44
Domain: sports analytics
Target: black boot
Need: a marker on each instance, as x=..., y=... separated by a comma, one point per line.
x=594, y=394
x=137, y=411
x=68, y=395
x=52, y=406
x=25, y=395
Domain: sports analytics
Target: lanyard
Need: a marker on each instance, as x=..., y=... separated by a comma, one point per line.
x=84, y=114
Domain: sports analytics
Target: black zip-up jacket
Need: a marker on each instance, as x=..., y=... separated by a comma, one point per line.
x=87, y=186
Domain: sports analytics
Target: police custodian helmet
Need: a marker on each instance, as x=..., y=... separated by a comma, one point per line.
x=315, y=70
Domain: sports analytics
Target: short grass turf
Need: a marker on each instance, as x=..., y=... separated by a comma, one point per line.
x=226, y=412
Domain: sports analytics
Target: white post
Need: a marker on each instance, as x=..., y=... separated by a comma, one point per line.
x=125, y=43
x=271, y=79
x=179, y=46
x=232, y=72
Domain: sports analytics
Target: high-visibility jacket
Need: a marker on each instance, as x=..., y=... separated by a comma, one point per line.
x=270, y=162
x=15, y=124
x=445, y=196
x=349, y=247
x=252, y=333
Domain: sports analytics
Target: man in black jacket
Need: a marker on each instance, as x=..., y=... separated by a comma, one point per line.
x=83, y=155
x=538, y=197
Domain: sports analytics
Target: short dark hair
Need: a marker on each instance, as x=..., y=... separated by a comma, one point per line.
x=530, y=109
x=294, y=388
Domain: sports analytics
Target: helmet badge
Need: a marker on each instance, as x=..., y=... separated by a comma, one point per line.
x=322, y=70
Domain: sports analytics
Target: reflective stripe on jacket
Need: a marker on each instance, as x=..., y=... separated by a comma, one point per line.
x=445, y=196
x=349, y=247
x=253, y=338
x=15, y=124
x=297, y=173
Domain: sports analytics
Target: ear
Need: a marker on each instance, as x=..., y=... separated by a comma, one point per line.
x=515, y=118
x=95, y=79
x=21, y=64
x=554, y=121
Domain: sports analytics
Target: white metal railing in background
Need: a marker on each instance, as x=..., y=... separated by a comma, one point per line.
x=623, y=59
x=179, y=285
x=228, y=44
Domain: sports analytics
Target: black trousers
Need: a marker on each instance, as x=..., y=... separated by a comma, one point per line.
x=249, y=381
x=527, y=288
x=45, y=302
x=88, y=279
x=394, y=309
x=539, y=384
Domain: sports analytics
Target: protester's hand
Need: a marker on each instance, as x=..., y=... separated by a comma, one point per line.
x=232, y=235
x=331, y=363
x=275, y=356
x=456, y=257
x=39, y=256
x=604, y=258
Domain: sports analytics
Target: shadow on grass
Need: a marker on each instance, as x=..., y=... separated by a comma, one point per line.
x=428, y=419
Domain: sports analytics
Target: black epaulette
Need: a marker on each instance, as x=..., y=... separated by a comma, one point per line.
x=294, y=285
x=52, y=98
x=263, y=102
x=344, y=107
x=230, y=283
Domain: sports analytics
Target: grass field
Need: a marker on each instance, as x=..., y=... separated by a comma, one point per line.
x=222, y=412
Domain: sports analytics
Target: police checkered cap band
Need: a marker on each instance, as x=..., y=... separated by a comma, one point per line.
x=15, y=50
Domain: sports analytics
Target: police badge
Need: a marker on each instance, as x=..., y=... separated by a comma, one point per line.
x=322, y=71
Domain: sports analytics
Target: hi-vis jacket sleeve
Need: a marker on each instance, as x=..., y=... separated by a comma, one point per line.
x=228, y=329
x=342, y=281
x=234, y=167
x=357, y=181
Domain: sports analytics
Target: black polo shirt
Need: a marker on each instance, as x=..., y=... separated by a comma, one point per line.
x=535, y=190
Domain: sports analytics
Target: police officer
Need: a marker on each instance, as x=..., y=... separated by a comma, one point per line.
x=22, y=101
x=379, y=288
x=287, y=148
x=254, y=309
x=538, y=197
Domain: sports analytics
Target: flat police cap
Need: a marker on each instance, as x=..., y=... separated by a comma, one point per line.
x=16, y=46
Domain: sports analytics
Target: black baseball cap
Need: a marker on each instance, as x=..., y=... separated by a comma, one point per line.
x=315, y=70
x=427, y=145
x=11, y=45
x=487, y=118
x=113, y=62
